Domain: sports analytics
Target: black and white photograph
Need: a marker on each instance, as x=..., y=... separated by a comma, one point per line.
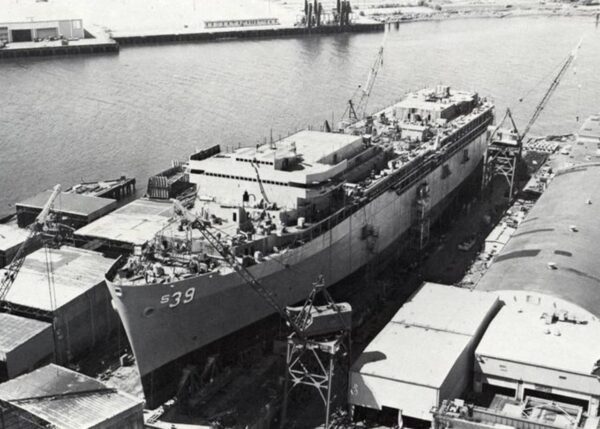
x=300, y=214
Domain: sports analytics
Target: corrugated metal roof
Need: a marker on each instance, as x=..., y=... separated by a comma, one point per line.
x=135, y=223
x=67, y=399
x=423, y=341
x=446, y=308
x=17, y=330
x=83, y=205
x=555, y=249
x=75, y=271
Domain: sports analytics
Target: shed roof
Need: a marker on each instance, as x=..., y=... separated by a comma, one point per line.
x=446, y=308
x=66, y=398
x=423, y=341
x=75, y=271
x=135, y=223
x=518, y=334
x=412, y=354
x=17, y=330
x=81, y=205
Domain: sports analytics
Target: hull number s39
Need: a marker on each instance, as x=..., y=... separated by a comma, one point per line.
x=178, y=297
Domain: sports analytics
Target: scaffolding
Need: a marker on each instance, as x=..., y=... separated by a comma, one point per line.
x=421, y=225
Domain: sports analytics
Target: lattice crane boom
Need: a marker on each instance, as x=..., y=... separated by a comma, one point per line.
x=232, y=261
x=542, y=104
x=357, y=105
x=11, y=272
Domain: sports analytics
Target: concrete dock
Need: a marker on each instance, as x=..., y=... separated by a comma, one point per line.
x=246, y=33
x=56, y=47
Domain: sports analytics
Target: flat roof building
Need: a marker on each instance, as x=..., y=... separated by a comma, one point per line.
x=425, y=353
x=58, y=397
x=29, y=31
x=133, y=224
x=74, y=297
x=11, y=239
x=539, y=344
x=24, y=345
x=73, y=209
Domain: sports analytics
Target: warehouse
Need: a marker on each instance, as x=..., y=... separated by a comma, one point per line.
x=57, y=397
x=29, y=31
x=24, y=345
x=133, y=224
x=425, y=354
x=71, y=209
x=546, y=341
x=74, y=297
x=541, y=346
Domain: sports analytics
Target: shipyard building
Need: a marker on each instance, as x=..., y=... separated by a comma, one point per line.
x=29, y=31
x=64, y=292
x=536, y=361
x=57, y=397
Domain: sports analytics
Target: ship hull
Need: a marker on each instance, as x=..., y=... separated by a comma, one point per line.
x=160, y=331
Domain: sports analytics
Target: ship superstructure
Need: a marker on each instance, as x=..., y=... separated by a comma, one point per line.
x=309, y=204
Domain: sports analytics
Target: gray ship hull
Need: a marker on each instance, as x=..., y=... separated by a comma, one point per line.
x=160, y=331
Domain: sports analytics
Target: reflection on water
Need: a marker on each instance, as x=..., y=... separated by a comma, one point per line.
x=83, y=118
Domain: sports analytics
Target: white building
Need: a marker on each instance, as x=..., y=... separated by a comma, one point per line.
x=28, y=31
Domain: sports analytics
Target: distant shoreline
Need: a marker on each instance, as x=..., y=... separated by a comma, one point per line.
x=569, y=11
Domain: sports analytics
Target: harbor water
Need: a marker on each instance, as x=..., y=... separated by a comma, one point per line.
x=70, y=119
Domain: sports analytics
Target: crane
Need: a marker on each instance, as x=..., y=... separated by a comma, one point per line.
x=260, y=183
x=503, y=154
x=544, y=101
x=230, y=259
x=357, y=105
x=550, y=91
x=35, y=228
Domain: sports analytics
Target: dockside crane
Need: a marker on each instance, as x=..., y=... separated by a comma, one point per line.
x=35, y=229
x=320, y=333
x=231, y=260
x=357, y=105
x=505, y=146
x=260, y=184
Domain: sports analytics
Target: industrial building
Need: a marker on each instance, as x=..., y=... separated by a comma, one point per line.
x=425, y=353
x=72, y=209
x=65, y=287
x=546, y=340
x=57, y=397
x=25, y=344
x=133, y=224
x=29, y=31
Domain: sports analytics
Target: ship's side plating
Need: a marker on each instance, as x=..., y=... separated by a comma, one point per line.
x=166, y=321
